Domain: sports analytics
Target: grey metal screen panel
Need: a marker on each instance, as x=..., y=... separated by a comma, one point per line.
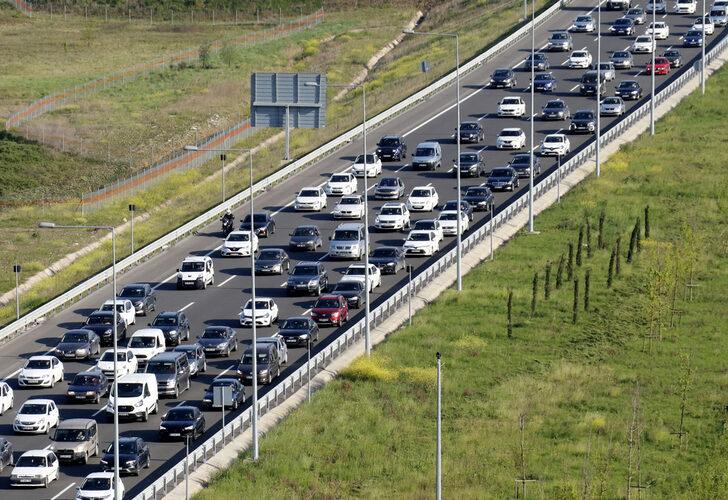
x=274, y=93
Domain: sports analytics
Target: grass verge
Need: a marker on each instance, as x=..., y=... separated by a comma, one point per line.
x=632, y=393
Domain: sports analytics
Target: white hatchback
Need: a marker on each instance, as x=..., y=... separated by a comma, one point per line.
x=124, y=308
x=35, y=468
x=99, y=486
x=643, y=44
x=685, y=6
x=349, y=207
x=555, y=144
x=41, y=371
x=709, y=26
x=310, y=198
x=660, y=29
x=421, y=242
x=373, y=165
x=340, y=184
x=36, y=416
x=126, y=362
x=357, y=272
x=423, y=199
x=580, y=59
x=266, y=312
x=392, y=217
x=449, y=222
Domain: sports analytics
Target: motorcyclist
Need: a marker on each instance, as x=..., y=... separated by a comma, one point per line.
x=227, y=221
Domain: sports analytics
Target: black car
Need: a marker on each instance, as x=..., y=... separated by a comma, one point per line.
x=622, y=26
x=263, y=224
x=628, y=90
x=472, y=132
x=521, y=163
x=589, y=83
x=238, y=393
x=389, y=188
x=583, y=122
x=464, y=207
x=174, y=325
x=218, y=340
x=538, y=60
x=297, y=330
x=133, y=456
x=182, y=421
x=352, y=291
x=555, y=109
x=502, y=179
x=544, y=82
x=272, y=261
x=503, y=78
x=471, y=164
x=674, y=57
x=307, y=277
x=88, y=386
x=427, y=225
x=391, y=147
x=306, y=237
x=6, y=453
x=102, y=324
x=479, y=197
x=388, y=259
x=78, y=344
x=142, y=297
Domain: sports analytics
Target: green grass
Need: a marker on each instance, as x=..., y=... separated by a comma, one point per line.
x=370, y=433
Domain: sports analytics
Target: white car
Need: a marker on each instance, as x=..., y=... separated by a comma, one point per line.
x=709, y=26
x=349, y=207
x=511, y=106
x=511, y=138
x=237, y=244
x=685, y=6
x=423, y=199
x=643, y=44
x=421, y=242
x=280, y=344
x=373, y=165
x=660, y=29
x=340, y=184
x=124, y=308
x=266, y=312
x=196, y=272
x=580, y=59
x=35, y=468
x=392, y=217
x=99, y=486
x=432, y=225
x=583, y=24
x=449, y=221
x=310, y=198
x=126, y=362
x=36, y=416
x=7, y=398
x=357, y=272
x=555, y=144
x=41, y=371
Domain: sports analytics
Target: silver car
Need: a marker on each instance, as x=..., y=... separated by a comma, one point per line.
x=636, y=14
x=583, y=24
x=622, y=59
x=612, y=106
x=607, y=71
x=280, y=344
x=195, y=357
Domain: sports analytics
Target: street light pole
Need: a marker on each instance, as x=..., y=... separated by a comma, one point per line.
x=16, y=270
x=187, y=467
x=438, y=460
x=652, y=73
x=308, y=367
x=599, y=88
x=132, y=209
x=409, y=293
x=702, y=55
x=223, y=157
x=530, y=174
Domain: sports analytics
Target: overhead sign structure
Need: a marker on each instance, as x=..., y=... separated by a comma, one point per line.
x=286, y=100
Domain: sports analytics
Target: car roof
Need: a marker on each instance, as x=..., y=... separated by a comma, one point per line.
x=260, y=298
x=512, y=129
x=166, y=356
x=169, y=314
x=78, y=330
x=217, y=380
x=428, y=144
x=104, y=475
x=240, y=231
x=307, y=226
x=311, y=187
x=469, y=122
x=136, y=284
x=196, y=258
x=346, y=226
x=308, y=263
x=186, y=347
x=392, y=137
x=329, y=296
x=119, y=349
x=147, y=331
x=393, y=204
x=186, y=407
x=116, y=301
x=421, y=231
x=75, y=423
x=38, y=401
x=138, y=377
x=41, y=358
x=102, y=313
x=35, y=453
x=296, y=318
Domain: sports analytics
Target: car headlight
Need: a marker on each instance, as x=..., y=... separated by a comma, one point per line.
x=108, y=331
x=128, y=463
x=312, y=283
x=138, y=304
x=162, y=426
x=189, y=427
x=277, y=267
x=262, y=373
x=138, y=404
x=169, y=383
x=82, y=350
x=71, y=393
x=221, y=345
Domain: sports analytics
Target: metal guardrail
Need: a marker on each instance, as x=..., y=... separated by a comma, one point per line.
x=298, y=379
x=82, y=289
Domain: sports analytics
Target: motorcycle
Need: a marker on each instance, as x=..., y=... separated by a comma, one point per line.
x=227, y=224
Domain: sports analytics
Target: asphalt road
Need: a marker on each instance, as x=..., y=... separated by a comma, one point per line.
x=220, y=304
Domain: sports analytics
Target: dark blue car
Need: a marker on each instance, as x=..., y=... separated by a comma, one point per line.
x=693, y=38
x=238, y=393
x=88, y=386
x=544, y=82
x=298, y=330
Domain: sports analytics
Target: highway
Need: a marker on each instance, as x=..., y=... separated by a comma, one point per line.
x=220, y=304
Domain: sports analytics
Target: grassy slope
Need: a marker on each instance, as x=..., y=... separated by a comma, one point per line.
x=371, y=432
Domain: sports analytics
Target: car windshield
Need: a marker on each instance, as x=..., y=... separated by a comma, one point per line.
x=192, y=267
x=425, y=224
x=469, y=126
x=222, y=383
x=339, y=235
x=160, y=367
x=180, y=414
x=521, y=160
x=26, y=461
x=589, y=78
x=130, y=389
x=268, y=255
x=502, y=73
x=511, y=100
x=643, y=39
x=100, y=319
x=97, y=484
x=622, y=21
x=143, y=342
x=544, y=76
x=213, y=333
x=421, y=193
x=339, y=178
x=32, y=409
x=326, y=303
x=579, y=54
x=384, y=252
x=583, y=19
x=672, y=53
x=86, y=380
x=500, y=172
x=694, y=33
x=304, y=231
x=110, y=307
x=109, y=356
x=388, y=142
x=256, y=218
x=449, y=216
x=605, y=66
x=38, y=364
x=308, y=193
x=132, y=291
x=610, y=100
x=165, y=321
x=348, y=286
x=388, y=182
x=360, y=159
x=74, y=337
x=355, y=271
x=65, y=435
x=391, y=211
x=248, y=358
x=239, y=237
x=468, y=158
x=259, y=304
x=583, y=115
x=553, y=138
x=126, y=447
x=306, y=270
x=628, y=85
x=559, y=36
x=424, y=152
x=476, y=192
x=419, y=237
x=555, y=105
x=351, y=200
x=621, y=55
x=634, y=12
x=294, y=324
x=510, y=133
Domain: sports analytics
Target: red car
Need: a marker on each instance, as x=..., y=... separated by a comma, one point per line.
x=662, y=66
x=330, y=310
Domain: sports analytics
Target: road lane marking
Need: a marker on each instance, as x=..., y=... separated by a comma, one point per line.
x=574, y=87
x=227, y=280
x=180, y=404
x=163, y=282
x=99, y=411
x=484, y=116
x=225, y=371
x=63, y=491
x=307, y=311
x=323, y=256
x=402, y=167
x=185, y=307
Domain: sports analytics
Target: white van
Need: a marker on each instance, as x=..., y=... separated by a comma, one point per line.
x=146, y=343
x=137, y=396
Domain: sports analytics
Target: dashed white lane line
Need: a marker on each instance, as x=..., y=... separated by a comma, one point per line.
x=307, y=311
x=402, y=167
x=99, y=411
x=225, y=371
x=574, y=87
x=284, y=283
x=185, y=307
x=323, y=257
x=226, y=281
x=181, y=403
x=63, y=491
x=485, y=115
x=48, y=447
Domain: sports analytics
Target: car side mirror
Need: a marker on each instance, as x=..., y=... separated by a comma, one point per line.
x=290, y=234
x=149, y=324
x=178, y=269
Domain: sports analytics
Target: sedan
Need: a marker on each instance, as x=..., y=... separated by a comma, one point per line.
x=622, y=26
x=306, y=237
x=195, y=357
x=464, y=207
x=432, y=225
x=511, y=106
x=392, y=217
x=503, y=78
x=555, y=145
x=272, y=261
x=340, y=184
x=298, y=330
x=471, y=165
x=237, y=244
x=78, y=344
x=102, y=323
x=449, y=221
x=636, y=14
x=310, y=198
x=544, y=82
x=133, y=456
x=182, y=421
x=357, y=272
x=218, y=340
x=423, y=199
x=100, y=485
x=521, y=163
x=555, y=109
x=538, y=61
x=674, y=56
x=352, y=291
x=266, y=312
x=471, y=132
x=88, y=386
x=693, y=38
x=41, y=371
x=349, y=207
x=389, y=188
x=479, y=197
x=263, y=224
x=237, y=389
x=388, y=259
x=579, y=59
x=709, y=26
x=643, y=44
x=583, y=24
x=502, y=179
x=371, y=162
x=660, y=29
x=662, y=66
x=142, y=297
x=622, y=59
x=607, y=70
x=584, y=121
x=612, y=106
x=420, y=242
x=331, y=310
x=628, y=90
x=174, y=325
x=656, y=6
x=511, y=138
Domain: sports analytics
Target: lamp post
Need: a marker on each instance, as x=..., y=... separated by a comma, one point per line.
x=702, y=55
x=438, y=459
x=409, y=293
x=52, y=225
x=252, y=297
x=223, y=157
x=599, y=91
x=308, y=366
x=132, y=209
x=533, y=96
x=652, y=73
x=457, y=140
x=16, y=270
x=367, y=327
x=187, y=467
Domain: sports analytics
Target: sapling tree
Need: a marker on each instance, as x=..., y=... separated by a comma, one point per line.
x=547, y=282
x=618, y=257
x=575, y=305
x=587, y=283
x=600, y=230
x=588, y=239
x=510, y=314
x=647, y=222
x=685, y=381
x=560, y=272
x=570, y=263
x=610, y=271
x=638, y=230
x=579, y=245
x=534, y=294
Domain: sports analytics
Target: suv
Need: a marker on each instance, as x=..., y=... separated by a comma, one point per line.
x=618, y=4
x=560, y=40
x=389, y=188
x=427, y=155
x=589, y=83
x=308, y=277
x=142, y=297
x=196, y=272
x=263, y=224
x=330, y=310
x=172, y=370
x=392, y=217
x=471, y=164
x=391, y=147
x=174, y=325
x=347, y=241
x=268, y=364
x=76, y=439
x=133, y=455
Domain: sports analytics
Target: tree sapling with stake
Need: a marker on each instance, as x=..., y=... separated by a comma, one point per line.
x=610, y=271
x=575, y=305
x=510, y=314
x=579, y=245
x=547, y=282
x=560, y=272
x=588, y=239
x=587, y=281
x=632, y=243
x=534, y=293
x=570, y=263
x=600, y=230
x=647, y=222
x=618, y=257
